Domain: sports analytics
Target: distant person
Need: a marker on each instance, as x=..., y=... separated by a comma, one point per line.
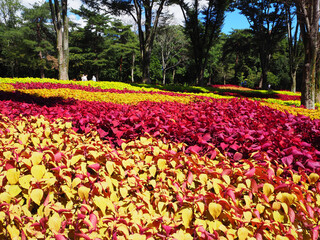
x=94, y=78
x=84, y=78
x=269, y=86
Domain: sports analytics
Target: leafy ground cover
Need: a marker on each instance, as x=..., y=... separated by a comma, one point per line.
x=200, y=168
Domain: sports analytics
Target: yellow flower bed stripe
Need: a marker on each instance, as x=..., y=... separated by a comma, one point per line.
x=6, y=87
x=121, y=98
x=313, y=114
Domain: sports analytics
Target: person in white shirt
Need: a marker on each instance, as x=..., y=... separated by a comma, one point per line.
x=94, y=78
x=84, y=78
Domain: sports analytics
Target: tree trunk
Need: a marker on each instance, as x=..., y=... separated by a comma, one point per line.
x=65, y=65
x=146, y=58
x=293, y=77
x=164, y=72
x=41, y=66
x=308, y=81
x=264, y=68
x=173, y=75
x=61, y=25
x=132, y=66
x=308, y=18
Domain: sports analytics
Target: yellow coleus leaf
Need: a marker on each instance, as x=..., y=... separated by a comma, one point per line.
x=24, y=137
x=182, y=235
x=153, y=170
x=14, y=232
x=110, y=167
x=124, y=229
x=137, y=236
x=226, y=178
x=186, y=216
x=260, y=208
x=268, y=189
x=123, y=192
x=296, y=178
x=162, y=163
x=277, y=216
x=101, y=203
x=247, y=216
x=54, y=222
x=313, y=178
x=75, y=159
x=38, y=171
x=25, y=181
x=83, y=192
x=13, y=190
x=148, y=159
x=200, y=207
x=215, y=209
x=215, y=183
x=5, y=197
x=203, y=178
x=279, y=237
x=145, y=141
x=13, y=176
x=7, y=155
x=286, y=198
x=75, y=182
x=35, y=141
x=36, y=195
x=243, y=233
x=36, y=158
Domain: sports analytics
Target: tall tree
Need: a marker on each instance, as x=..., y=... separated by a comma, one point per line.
x=203, y=25
x=240, y=45
x=171, y=48
x=268, y=24
x=10, y=36
x=308, y=19
x=61, y=25
x=8, y=12
x=38, y=37
x=295, y=47
x=88, y=43
x=146, y=14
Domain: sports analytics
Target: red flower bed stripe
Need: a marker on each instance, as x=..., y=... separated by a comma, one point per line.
x=237, y=127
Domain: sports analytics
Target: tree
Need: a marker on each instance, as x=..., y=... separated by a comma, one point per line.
x=61, y=26
x=295, y=50
x=203, y=25
x=146, y=14
x=10, y=36
x=8, y=12
x=241, y=47
x=308, y=19
x=171, y=46
x=268, y=24
x=88, y=44
x=38, y=37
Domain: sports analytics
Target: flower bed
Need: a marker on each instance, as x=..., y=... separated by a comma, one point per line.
x=201, y=168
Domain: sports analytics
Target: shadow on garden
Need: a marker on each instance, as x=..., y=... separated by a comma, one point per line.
x=18, y=96
x=219, y=91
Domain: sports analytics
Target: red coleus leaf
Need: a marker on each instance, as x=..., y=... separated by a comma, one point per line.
x=250, y=173
x=60, y=237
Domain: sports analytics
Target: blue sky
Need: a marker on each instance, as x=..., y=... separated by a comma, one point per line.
x=234, y=20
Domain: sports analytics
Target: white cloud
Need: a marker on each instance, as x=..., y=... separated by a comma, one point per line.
x=71, y=3
x=75, y=4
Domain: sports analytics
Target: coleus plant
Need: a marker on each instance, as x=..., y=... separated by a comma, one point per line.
x=60, y=184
